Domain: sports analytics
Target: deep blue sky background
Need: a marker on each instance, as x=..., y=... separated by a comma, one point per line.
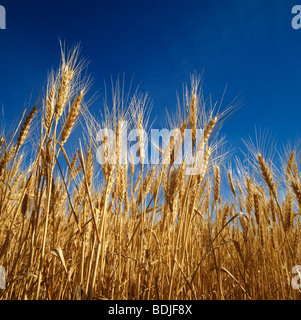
x=249, y=46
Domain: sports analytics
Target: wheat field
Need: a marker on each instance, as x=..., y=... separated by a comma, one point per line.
x=73, y=229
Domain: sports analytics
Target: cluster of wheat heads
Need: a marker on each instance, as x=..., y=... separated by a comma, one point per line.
x=71, y=228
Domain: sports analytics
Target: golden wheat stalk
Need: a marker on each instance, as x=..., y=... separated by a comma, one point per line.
x=50, y=106
x=267, y=174
x=231, y=183
x=25, y=127
x=64, y=90
x=71, y=117
x=297, y=190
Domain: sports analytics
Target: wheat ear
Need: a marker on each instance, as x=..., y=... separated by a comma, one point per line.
x=25, y=127
x=72, y=115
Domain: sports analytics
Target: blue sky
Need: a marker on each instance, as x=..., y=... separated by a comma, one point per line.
x=249, y=46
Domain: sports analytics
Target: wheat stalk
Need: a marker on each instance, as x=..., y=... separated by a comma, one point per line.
x=25, y=127
x=71, y=117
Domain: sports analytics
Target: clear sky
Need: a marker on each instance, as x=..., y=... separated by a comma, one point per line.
x=250, y=46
